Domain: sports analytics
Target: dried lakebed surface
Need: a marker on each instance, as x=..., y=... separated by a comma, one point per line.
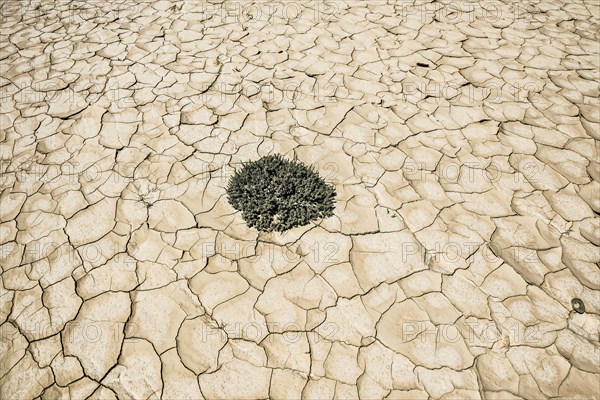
x=463, y=146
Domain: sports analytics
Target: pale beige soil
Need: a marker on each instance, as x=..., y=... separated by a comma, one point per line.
x=463, y=144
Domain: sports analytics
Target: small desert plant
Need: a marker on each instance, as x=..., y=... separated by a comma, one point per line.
x=276, y=194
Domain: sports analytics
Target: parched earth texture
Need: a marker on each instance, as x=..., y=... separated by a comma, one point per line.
x=463, y=142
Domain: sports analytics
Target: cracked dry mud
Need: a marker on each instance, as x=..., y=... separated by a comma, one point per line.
x=463, y=144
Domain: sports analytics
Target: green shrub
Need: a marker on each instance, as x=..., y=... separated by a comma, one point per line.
x=276, y=194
